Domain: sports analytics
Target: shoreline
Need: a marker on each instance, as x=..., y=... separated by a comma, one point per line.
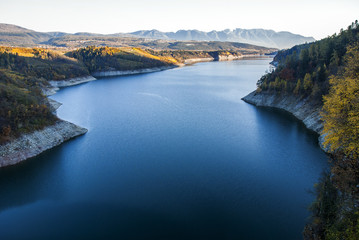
x=197, y=60
x=56, y=85
x=32, y=144
x=132, y=72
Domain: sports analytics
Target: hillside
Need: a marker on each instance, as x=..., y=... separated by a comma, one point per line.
x=259, y=37
x=98, y=59
x=24, y=73
x=12, y=35
x=76, y=41
x=319, y=83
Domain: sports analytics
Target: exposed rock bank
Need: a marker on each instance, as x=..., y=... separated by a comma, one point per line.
x=131, y=72
x=301, y=108
x=32, y=144
x=71, y=81
x=56, y=85
x=228, y=57
x=196, y=60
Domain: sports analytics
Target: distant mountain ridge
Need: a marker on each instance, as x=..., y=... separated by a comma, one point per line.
x=259, y=37
x=18, y=36
x=15, y=35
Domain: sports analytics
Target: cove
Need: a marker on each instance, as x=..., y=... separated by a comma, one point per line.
x=169, y=155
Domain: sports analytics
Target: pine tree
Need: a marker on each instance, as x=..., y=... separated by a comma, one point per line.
x=307, y=82
x=298, y=87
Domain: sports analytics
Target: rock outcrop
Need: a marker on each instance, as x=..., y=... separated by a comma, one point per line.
x=131, y=72
x=56, y=85
x=71, y=81
x=196, y=60
x=32, y=144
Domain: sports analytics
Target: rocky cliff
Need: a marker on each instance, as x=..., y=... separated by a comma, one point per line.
x=32, y=144
x=131, y=72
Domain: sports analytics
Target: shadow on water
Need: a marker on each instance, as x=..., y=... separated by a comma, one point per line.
x=35, y=179
x=286, y=120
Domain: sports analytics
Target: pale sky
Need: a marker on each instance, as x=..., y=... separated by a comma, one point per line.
x=317, y=18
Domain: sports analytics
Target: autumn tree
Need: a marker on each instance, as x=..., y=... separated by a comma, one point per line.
x=298, y=87
x=307, y=82
x=341, y=108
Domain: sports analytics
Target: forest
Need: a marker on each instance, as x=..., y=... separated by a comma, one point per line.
x=327, y=72
x=305, y=70
x=24, y=72
x=108, y=58
x=23, y=106
x=98, y=59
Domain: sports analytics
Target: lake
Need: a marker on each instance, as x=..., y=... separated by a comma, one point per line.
x=169, y=155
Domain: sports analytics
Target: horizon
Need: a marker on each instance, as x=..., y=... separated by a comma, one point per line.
x=317, y=19
x=154, y=29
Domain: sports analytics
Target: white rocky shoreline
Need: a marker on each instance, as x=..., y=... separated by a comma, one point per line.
x=32, y=144
x=131, y=72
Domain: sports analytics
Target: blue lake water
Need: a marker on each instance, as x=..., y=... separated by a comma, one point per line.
x=169, y=155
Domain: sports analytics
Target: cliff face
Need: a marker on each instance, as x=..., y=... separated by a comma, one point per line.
x=32, y=144
x=54, y=86
x=131, y=72
x=302, y=108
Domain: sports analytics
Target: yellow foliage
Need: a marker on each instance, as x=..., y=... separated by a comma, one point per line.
x=148, y=55
x=30, y=52
x=341, y=109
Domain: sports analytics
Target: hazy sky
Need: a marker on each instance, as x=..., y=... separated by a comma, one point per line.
x=317, y=18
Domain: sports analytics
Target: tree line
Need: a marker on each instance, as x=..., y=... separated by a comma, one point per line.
x=98, y=59
x=304, y=70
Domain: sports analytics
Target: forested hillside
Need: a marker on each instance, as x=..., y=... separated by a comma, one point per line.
x=327, y=72
x=183, y=55
x=24, y=72
x=109, y=59
x=305, y=70
x=41, y=63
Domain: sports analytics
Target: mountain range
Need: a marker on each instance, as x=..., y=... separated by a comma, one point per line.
x=12, y=35
x=259, y=37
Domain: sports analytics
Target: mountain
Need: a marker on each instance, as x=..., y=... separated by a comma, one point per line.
x=15, y=35
x=12, y=28
x=12, y=35
x=260, y=37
